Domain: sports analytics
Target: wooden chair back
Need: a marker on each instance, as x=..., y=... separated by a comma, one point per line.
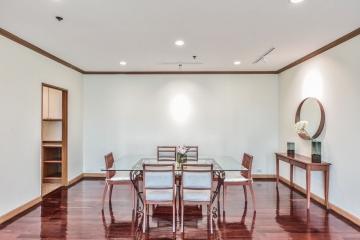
x=166, y=153
x=192, y=153
x=109, y=164
x=159, y=177
x=247, y=163
x=197, y=176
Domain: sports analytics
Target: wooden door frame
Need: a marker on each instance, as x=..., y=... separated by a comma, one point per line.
x=64, y=128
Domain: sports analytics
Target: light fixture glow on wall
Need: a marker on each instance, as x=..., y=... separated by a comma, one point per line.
x=123, y=63
x=237, y=62
x=313, y=85
x=296, y=1
x=180, y=108
x=179, y=43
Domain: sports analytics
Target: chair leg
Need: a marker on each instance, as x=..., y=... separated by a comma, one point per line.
x=174, y=218
x=211, y=220
x=110, y=192
x=144, y=218
x=104, y=195
x=245, y=193
x=253, y=196
x=182, y=217
x=132, y=190
x=224, y=196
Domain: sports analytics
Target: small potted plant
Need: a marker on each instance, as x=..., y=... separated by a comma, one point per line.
x=181, y=155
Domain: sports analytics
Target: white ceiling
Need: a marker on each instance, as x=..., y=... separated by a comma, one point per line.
x=97, y=34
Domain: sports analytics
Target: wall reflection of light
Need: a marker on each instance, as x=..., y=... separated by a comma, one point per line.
x=313, y=85
x=180, y=108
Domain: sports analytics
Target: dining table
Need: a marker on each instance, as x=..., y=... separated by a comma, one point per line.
x=134, y=166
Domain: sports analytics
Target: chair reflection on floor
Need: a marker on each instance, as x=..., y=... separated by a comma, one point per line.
x=231, y=227
x=122, y=229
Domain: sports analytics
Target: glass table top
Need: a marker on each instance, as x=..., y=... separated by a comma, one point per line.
x=135, y=163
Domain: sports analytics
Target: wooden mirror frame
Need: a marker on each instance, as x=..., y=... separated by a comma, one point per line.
x=322, y=119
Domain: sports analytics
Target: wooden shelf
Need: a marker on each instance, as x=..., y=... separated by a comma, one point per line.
x=52, y=161
x=52, y=178
x=52, y=145
x=52, y=119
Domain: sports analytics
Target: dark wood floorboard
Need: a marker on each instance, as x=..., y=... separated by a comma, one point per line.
x=76, y=214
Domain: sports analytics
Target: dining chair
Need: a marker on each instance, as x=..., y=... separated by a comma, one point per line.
x=192, y=153
x=166, y=153
x=241, y=178
x=115, y=178
x=159, y=188
x=196, y=188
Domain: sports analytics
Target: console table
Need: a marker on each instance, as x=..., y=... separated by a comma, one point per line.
x=305, y=163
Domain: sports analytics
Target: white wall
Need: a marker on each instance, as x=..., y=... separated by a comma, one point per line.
x=332, y=77
x=21, y=73
x=229, y=114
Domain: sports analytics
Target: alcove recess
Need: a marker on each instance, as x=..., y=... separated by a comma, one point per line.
x=54, y=138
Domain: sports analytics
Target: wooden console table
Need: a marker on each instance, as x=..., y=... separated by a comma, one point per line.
x=305, y=163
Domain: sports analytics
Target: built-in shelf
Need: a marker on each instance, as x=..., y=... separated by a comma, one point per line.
x=52, y=145
x=54, y=137
x=52, y=119
x=52, y=178
x=52, y=161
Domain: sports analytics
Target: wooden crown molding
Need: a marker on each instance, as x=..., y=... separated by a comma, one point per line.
x=178, y=72
x=31, y=46
x=333, y=44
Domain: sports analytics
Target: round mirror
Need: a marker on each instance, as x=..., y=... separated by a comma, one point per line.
x=309, y=119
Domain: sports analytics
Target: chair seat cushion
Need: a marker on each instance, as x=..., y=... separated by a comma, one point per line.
x=120, y=177
x=159, y=195
x=235, y=177
x=196, y=195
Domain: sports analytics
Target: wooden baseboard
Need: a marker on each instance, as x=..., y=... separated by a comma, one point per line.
x=19, y=210
x=341, y=212
x=264, y=176
x=75, y=180
x=93, y=175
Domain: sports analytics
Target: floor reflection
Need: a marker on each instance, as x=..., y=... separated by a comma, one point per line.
x=229, y=228
x=75, y=213
x=294, y=218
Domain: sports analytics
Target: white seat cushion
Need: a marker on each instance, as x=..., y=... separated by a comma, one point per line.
x=159, y=195
x=196, y=195
x=235, y=177
x=121, y=177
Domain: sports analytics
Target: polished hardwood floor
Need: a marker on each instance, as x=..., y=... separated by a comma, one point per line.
x=76, y=213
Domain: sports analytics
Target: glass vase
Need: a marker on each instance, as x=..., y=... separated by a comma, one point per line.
x=316, y=152
x=291, y=148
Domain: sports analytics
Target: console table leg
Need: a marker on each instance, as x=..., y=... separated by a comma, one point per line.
x=277, y=172
x=308, y=186
x=326, y=188
x=291, y=175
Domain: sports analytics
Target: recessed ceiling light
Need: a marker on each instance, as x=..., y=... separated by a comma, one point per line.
x=123, y=63
x=179, y=43
x=296, y=1
x=237, y=62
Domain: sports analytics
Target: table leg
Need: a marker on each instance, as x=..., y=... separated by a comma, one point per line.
x=308, y=186
x=326, y=188
x=291, y=175
x=277, y=171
